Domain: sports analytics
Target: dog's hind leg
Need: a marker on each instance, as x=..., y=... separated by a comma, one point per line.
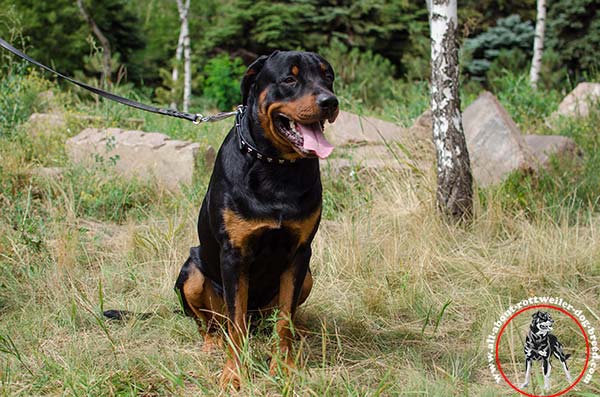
x=527, y=373
x=558, y=353
x=546, y=368
x=201, y=302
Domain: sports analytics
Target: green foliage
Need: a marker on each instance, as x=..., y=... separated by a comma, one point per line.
x=56, y=33
x=569, y=187
x=260, y=27
x=364, y=77
x=170, y=91
x=221, y=81
x=18, y=96
x=510, y=34
x=477, y=16
x=527, y=107
x=574, y=35
x=100, y=197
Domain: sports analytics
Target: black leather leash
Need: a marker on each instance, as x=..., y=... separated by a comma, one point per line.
x=196, y=118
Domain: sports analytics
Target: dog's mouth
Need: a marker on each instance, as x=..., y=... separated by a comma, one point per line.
x=545, y=326
x=306, y=138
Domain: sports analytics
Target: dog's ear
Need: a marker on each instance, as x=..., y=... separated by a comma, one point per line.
x=250, y=77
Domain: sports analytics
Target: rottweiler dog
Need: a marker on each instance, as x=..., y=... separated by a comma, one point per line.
x=541, y=344
x=263, y=205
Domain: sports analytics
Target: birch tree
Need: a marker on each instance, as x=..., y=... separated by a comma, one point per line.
x=106, y=51
x=538, y=43
x=183, y=48
x=454, y=179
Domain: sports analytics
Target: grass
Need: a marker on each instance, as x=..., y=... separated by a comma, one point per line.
x=402, y=302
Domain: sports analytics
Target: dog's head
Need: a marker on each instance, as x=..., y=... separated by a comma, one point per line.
x=291, y=93
x=541, y=323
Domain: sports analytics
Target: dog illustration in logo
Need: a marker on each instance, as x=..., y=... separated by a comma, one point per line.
x=540, y=344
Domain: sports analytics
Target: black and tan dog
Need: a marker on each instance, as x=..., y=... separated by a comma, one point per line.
x=263, y=205
x=540, y=344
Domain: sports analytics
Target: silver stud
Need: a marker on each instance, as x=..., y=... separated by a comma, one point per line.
x=281, y=161
x=269, y=159
x=258, y=156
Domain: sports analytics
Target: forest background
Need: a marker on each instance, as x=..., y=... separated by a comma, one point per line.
x=381, y=44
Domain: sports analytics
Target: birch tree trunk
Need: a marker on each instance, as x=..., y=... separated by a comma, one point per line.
x=184, y=42
x=538, y=43
x=454, y=179
x=106, y=51
x=175, y=73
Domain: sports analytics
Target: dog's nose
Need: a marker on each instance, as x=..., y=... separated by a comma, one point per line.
x=327, y=102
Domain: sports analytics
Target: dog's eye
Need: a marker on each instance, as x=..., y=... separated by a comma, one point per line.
x=290, y=80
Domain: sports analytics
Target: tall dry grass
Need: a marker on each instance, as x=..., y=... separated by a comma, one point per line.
x=401, y=305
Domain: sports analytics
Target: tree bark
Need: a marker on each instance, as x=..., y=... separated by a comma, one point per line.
x=184, y=39
x=175, y=73
x=106, y=51
x=538, y=43
x=454, y=191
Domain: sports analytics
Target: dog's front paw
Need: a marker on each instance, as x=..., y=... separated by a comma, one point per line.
x=283, y=367
x=212, y=343
x=230, y=376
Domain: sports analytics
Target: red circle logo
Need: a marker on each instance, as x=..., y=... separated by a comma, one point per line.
x=587, y=346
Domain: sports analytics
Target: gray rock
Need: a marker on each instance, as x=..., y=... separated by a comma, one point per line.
x=350, y=128
x=579, y=101
x=48, y=172
x=137, y=153
x=372, y=158
x=544, y=146
x=46, y=123
x=496, y=146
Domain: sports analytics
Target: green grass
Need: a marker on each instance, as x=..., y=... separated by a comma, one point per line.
x=401, y=304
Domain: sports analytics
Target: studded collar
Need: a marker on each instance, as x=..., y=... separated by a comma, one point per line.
x=252, y=151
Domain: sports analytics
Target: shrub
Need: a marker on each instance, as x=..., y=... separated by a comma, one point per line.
x=19, y=91
x=364, y=77
x=574, y=35
x=528, y=107
x=221, y=81
x=568, y=187
x=509, y=34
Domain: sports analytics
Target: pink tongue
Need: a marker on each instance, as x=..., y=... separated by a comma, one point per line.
x=314, y=139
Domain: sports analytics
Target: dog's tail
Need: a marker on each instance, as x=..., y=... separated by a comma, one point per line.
x=126, y=315
x=120, y=315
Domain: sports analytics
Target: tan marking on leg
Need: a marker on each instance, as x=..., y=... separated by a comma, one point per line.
x=207, y=307
x=295, y=70
x=237, y=330
x=306, y=288
x=283, y=325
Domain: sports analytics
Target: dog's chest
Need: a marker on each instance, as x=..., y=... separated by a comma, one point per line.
x=268, y=236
